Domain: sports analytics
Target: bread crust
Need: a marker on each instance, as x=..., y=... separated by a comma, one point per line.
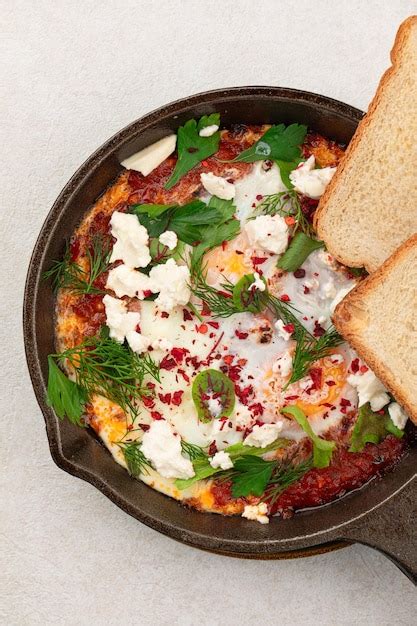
x=345, y=319
x=395, y=56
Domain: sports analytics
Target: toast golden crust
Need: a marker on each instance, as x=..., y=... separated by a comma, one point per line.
x=396, y=55
x=350, y=319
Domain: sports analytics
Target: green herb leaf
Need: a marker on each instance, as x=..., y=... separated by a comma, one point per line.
x=285, y=203
x=212, y=383
x=64, y=395
x=254, y=475
x=299, y=249
x=193, y=451
x=285, y=169
x=285, y=474
x=208, y=120
x=322, y=448
x=372, y=427
x=136, y=461
x=278, y=143
x=309, y=349
x=247, y=299
x=191, y=148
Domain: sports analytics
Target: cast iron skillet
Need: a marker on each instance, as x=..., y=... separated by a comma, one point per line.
x=381, y=515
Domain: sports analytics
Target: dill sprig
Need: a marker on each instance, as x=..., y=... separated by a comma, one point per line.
x=136, y=461
x=286, y=204
x=220, y=303
x=67, y=274
x=284, y=475
x=308, y=350
x=193, y=451
x=108, y=368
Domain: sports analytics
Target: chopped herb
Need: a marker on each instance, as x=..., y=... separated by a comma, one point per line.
x=252, y=476
x=322, y=448
x=285, y=169
x=284, y=475
x=278, y=143
x=372, y=427
x=247, y=299
x=308, y=350
x=299, y=249
x=64, y=395
x=212, y=383
x=67, y=274
x=136, y=461
x=193, y=451
x=191, y=148
x=286, y=204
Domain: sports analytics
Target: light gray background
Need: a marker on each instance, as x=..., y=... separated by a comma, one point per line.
x=74, y=73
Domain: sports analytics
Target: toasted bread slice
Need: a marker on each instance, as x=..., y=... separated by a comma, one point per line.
x=370, y=206
x=379, y=319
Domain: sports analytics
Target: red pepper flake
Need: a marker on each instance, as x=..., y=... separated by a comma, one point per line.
x=212, y=449
x=234, y=373
x=285, y=297
x=148, y=402
x=306, y=289
x=204, y=163
x=177, y=397
x=259, y=197
x=381, y=412
x=179, y=354
x=213, y=324
x=187, y=316
x=242, y=362
x=329, y=406
x=318, y=330
x=354, y=366
x=156, y=415
x=150, y=385
x=130, y=427
x=289, y=328
x=147, y=293
x=226, y=294
x=363, y=369
x=256, y=409
x=203, y=328
x=137, y=329
x=300, y=273
x=167, y=363
x=291, y=397
x=228, y=359
x=241, y=335
x=243, y=394
x=316, y=375
x=330, y=383
x=164, y=314
x=165, y=398
x=224, y=245
x=184, y=375
x=345, y=402
x=258, y=260
x=290, y=220
x=205, y=310
x=144, y=427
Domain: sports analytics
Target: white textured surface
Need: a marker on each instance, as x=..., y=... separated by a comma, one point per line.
x=73, y=73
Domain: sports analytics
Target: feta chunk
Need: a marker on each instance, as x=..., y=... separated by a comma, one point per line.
x=162, y=447
x=262, y=436
x=132, y=239
x=283, y=364
x=149, y=158
x=311, y=182
x=126, y=281
x=268, y=232
x=218, y=186
x=256, y=512
x=208, y=131
x=284, y=334
x=221, y=460
x=258, y=283
x=162, y=344
x=169, y=239
x=397, y=415
x=122, y=324
x=369, y=389
x=172, y=283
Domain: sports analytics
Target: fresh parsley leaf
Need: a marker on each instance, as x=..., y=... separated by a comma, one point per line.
x=322, y=448
x=191, y=148
x=64, y=395
x=213, y=236
x=208, y=120
x=371, y=427
x=279, y=143
x=212, y=383
x=247, y=299
x=253, y=476
x=299, y=249
x=285, y=169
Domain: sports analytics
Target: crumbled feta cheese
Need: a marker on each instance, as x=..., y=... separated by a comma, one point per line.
x=284, y=334
x=311, y=182
x=283, y=364
x=208, y=131
x=369, y=389
x=126, y=281
x=172, y=283
x=262, y=436
x=149, y=158
x=169, y=239
x=258, y=283
x=122, y=324
x=221, y=460
x=268, y=232
x=162, y=447
x=243, y=417
x=322, y=320
x=131, y=245
x=218, y=186
x=214, y=406
x=339, y=297
x=397, y=415
x=162, y=344
x=329, y=289
x=256, y=512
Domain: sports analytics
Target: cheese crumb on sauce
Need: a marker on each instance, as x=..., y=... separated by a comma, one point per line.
x=218, y=186
x=126, y=281
x=262, y=436
x=172, y=283
x=369, y=389
x=208, y=131
x=169, y=239
x=132, y=239
x=256, y=512
x=268, y=232
x=221, y=460
x=146, y=160
x=162, y=447
x=122, y=324
x=311, y=182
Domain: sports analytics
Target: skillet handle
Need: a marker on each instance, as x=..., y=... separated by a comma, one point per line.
x=392, y=529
